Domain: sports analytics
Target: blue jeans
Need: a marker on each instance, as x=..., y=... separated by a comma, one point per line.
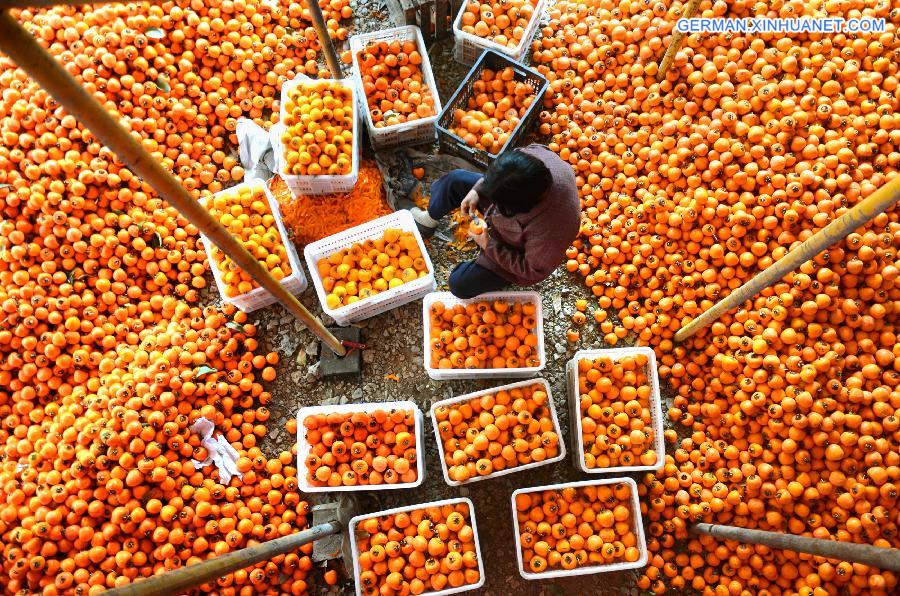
x=468, y=279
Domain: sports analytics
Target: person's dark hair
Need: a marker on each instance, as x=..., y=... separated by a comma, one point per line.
x=515, y=182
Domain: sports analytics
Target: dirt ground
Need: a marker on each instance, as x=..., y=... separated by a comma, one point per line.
x=395, y=340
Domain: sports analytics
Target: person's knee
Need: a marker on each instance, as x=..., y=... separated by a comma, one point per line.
x=461, y=285
x=447, y=193
x=460, y=181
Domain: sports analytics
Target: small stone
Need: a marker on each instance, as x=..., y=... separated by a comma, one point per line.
x=557, y=303
x=368, y=356
x=357, y=394
x=311, y=349
x=343, y=400
x=296, y=376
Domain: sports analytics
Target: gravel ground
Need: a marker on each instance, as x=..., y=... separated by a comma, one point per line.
x=395, y=340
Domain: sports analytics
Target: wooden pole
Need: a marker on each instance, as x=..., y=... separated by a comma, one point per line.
x=874, y=556
x=38, y=4
x=331, y=57
x=863, y=212
x=31, y=57
x=677, y=40
x=184, y=578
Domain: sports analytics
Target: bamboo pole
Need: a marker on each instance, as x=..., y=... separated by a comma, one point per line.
x=862, y=213
x=184, y=578
x=31, y=57
x=331, y=57
x=677, y=40
x=874, y=556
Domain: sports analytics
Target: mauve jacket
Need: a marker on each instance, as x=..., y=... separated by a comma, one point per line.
x=526, y=248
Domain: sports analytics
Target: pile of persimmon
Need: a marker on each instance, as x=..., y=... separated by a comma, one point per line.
x=370, y=267
x=689, y=187
x=106, y=359
x=483, y=334
x=246, y=214
x=361, y=448
x=503, y=22
x=572, y=527
x=179, y=76
x=614, y=403
x=394, y=83
x=497, y=431
x=318, y=135
x=419, y=551
x=493, y=109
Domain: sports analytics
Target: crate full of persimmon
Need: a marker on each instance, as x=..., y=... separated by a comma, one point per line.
x=430, y=549
x=397, y=91
x=615, y=404
x=497, y=431
x=371, y=446
x=580, y=528
x=316, y=141
x=491, y=110
x=505, y=26
x=495, y=335
x=370, y=268
x=250, y=213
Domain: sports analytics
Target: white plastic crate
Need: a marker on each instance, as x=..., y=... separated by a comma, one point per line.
x=303, y=446
x=464, y=398
x=446, y=592
x=637, y=528
x=383, y=301
x=324, y=184
x=446, y=374
x=259, y=297
x=575, y=408
x=468, y=47
x=407, y=133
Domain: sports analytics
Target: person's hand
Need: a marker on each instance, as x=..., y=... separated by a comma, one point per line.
x=481, y=238
x=469, y=204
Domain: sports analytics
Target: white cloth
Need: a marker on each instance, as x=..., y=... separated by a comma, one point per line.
x=260, y=151
x=255, y=149
x=275, y=143
x=219, y=451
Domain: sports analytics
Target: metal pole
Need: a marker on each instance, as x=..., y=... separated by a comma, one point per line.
x=863, y=212
x=874, y=556
x=331, y=57
x=677, y=40
x=31, y=57
x=184, y=578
